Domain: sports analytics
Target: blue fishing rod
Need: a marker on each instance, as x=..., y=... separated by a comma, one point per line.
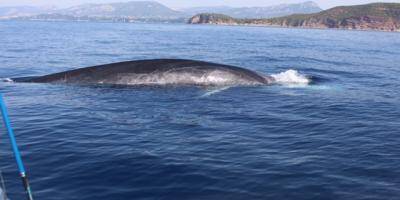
x=17, y=154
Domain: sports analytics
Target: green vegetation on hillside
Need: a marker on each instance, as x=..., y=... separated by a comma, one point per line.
x=341, y=13
x=375, y=16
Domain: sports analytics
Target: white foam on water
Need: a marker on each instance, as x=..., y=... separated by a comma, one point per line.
x=322, y=87
x=3, y=195
x=215, y=91
x=291, y=78
x=6, y=80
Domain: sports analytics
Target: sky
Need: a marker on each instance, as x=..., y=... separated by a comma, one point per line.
x=325, y=4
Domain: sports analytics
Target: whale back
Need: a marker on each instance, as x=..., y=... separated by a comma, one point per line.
x=155, y=72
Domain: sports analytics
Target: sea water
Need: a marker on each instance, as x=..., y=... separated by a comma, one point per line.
x=336, y=137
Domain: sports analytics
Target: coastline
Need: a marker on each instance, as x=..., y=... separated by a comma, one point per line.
x=292, y=27
x=202, y=24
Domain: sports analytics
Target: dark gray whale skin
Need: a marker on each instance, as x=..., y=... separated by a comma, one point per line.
x=165, y=71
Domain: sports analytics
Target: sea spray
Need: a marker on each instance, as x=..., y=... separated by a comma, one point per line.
x=6, y=80
x=291, y=77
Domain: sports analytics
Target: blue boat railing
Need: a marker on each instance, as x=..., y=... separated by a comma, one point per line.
x=14, y=146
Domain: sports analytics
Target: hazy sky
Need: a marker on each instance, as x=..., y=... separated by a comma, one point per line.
x=189, y=3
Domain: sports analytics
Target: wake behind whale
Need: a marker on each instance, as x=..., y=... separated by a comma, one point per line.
x=157, y=72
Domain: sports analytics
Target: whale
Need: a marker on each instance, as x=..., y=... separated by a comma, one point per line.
x=156, y=72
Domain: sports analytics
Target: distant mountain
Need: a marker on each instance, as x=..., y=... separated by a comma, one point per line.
x=133, y=9
x=212, y=9
x=376, y=16
x=124, y=10
x=259, y=12
x=16, y=11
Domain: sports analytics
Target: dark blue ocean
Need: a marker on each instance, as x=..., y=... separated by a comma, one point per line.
x=337, y=138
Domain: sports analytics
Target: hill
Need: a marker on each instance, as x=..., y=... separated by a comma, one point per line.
x=259, y=12
x=133, y=9
x=213, y=18
x=146, y=11
x=15, y=11
x=376, y=16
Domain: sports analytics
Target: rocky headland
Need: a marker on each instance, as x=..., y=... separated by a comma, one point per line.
x=375, y=16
